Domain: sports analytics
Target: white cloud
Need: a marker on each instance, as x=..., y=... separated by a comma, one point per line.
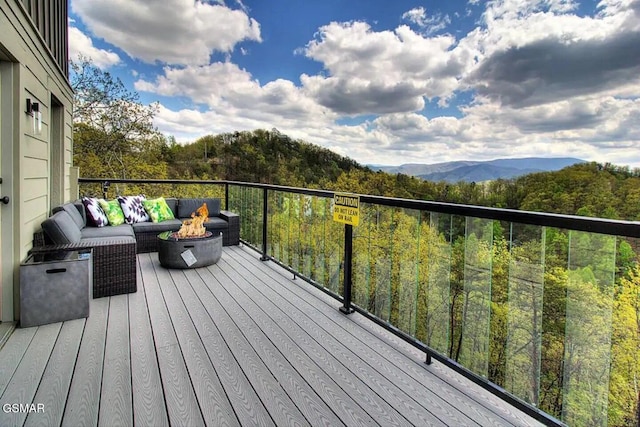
x=81, y=44
x=429, y=24
x=171, y=31
x=230, y=91
x=382, y=72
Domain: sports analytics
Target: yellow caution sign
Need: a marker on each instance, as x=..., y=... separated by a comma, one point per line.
x=346, y=208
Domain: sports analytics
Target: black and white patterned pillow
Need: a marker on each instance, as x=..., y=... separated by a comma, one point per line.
x=132, y=209
x=95, y=214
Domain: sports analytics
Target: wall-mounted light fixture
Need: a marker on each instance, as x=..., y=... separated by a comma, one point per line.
x=33, y=109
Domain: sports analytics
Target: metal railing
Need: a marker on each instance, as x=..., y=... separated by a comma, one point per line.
x=531, y=306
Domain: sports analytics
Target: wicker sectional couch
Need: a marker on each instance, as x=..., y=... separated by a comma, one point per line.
x=115, y=247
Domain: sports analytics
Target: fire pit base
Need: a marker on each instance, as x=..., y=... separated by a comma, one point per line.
x=188, y=253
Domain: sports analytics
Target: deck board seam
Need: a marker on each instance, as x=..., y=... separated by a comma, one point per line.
x=104, y=352
x=73, y=370
x=155, y=266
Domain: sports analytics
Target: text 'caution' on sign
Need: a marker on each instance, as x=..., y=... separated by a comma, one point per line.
x=346, y=209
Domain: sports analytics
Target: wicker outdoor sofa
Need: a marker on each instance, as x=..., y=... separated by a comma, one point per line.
x=115, y=247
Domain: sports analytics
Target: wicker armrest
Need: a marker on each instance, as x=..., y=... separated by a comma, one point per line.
x=114, y=262
x=232, y=237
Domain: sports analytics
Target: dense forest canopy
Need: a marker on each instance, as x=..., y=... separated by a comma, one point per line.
x=268, y=156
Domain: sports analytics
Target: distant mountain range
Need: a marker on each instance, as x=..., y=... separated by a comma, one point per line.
x=475, y=171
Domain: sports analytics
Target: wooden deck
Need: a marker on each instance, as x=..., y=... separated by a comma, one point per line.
x=237, y=343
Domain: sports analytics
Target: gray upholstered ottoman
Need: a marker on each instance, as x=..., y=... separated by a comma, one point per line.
x=55, y=286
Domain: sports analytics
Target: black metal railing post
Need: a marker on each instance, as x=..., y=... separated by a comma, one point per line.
x=348, y=256
x=226, y=196
x=265, y=206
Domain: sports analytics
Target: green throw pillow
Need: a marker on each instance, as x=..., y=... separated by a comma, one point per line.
x=158, y=209
x=113, y=211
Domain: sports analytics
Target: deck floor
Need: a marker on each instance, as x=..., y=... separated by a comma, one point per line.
x=237, y=343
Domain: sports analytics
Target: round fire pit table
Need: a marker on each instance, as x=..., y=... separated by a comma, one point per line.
x=192, y=252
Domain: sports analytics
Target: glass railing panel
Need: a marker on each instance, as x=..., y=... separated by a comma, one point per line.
x=404, y=285
x=434, y=273
x=321, y=211
x=476, y=311
x=362, y=262
x=374, y=274
x=523, y=312
x=306, y=235
x=587, y=349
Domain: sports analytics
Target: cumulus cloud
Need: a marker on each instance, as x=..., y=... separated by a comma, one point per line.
x=229, y=90
x=171, y=31
x=382, y=72
x=82, y=45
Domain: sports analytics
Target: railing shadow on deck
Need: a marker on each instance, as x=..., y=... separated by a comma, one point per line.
x=531, y=306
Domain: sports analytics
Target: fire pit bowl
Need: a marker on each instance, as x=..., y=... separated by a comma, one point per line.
x=188, y=252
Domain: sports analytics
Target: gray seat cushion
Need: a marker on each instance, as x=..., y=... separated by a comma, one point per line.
x=216, y=223
x=74, y=213
x=108, y=231
x=61, y=229
x=148, y=227
x=187, y=206
x=172, y=202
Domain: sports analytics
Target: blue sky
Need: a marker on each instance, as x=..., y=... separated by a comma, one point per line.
x=385, y=82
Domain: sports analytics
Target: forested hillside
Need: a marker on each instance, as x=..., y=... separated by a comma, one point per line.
x=589, y=189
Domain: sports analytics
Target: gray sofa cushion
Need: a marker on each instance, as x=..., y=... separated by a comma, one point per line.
x=61, y=229
x=187, y=206
x=118, y=230
x=216, y=223
x=74, y=213
x=172, y=202
x=148, y=227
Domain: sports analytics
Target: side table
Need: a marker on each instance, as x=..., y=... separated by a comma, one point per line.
x=55, y=286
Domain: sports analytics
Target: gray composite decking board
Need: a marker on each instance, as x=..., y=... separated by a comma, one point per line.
x=214, y=404
x=333, y=331
x=83, y=401
x=149, y=407
x=323, y=364
x=56, y=379
x=281, y=408
x=182, y=405
x=406, y=369
x=482, y=400
x=248, y=407
x=291, y=312
x=116, y=402
x=314, y=409
x=412, y=395
x=24, y=383
x=12, y=354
